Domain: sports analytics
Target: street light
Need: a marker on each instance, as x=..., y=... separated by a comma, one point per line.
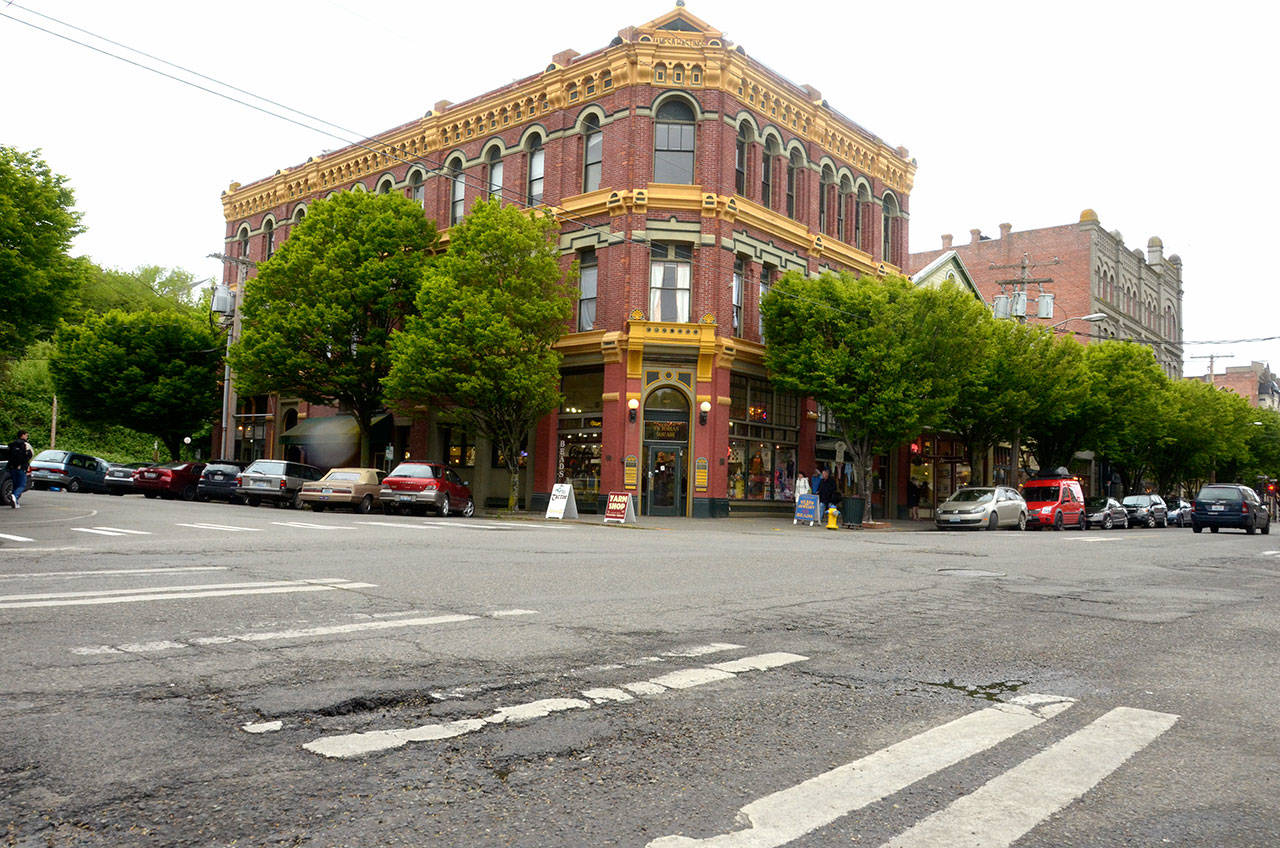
x=1092, y=318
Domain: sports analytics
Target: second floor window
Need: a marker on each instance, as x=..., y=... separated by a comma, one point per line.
x=494, y=160
x=739, y=272
x=766, y=176
x=269, y=238
x=673, y=143
x=592, y=154
x=669, y=282
x=457, y=191
x=416, y=187
x=740, y=161
x=767, y=275
x=793, y=183
x=588, y=274
x=537, y=161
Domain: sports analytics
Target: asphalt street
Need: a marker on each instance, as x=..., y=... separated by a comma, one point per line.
x=202, y=674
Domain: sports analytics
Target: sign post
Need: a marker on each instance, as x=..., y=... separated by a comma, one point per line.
x=807, y=507
x=620, y=508
x=562, y=503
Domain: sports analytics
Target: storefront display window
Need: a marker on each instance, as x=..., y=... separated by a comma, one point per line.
x=763, y=438
x=579, y=438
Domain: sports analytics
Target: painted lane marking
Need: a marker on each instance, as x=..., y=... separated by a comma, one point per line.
x=178, y=588
x=356, y=744
x=126, y=532
x=97, y=531
x=171, y=594
x=1002, y=810
x=262, y=726
x=511, y=613
x=308, y=526
x=788, y=814
x=112, y=572
x=397, y=524
x=269, y=636
x=1269, y=553
x=13, y=538
x=226, y=527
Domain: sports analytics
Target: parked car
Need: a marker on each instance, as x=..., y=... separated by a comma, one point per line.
x=414, y=485
x=275, y=480
x=6, y=479
x=218, y=481
x=119, y=479
x=75, y=472
x=983, y=506
x=1146, y=511
x=358, y=488
x=1179, y=511
x=174, y=480
x=1105, y=513
x=1229, y=505
x=1054, y=500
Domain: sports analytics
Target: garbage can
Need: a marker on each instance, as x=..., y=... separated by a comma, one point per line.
x=853, y=509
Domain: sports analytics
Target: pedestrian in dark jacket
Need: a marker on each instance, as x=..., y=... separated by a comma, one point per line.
x=19, y=461
x=827, y=492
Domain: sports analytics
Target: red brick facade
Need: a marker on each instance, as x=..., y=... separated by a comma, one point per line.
x=1141, y=295
x=658, y=88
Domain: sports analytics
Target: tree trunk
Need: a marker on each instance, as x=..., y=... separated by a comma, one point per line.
x=513, y=494
x=173, y=444
x=1015, y=458
x=365, y=423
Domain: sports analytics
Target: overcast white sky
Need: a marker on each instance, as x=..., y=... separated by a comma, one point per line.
x=1160, y=117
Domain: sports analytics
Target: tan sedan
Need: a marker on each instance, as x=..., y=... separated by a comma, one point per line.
x=354, y=487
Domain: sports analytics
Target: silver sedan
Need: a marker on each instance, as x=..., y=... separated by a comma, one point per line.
x=981, y=506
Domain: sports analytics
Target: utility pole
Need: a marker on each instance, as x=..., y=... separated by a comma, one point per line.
x=1015, y=305
x=231, y=320
x=1212, y=357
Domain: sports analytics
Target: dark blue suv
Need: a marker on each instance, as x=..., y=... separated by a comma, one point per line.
x=1229, y=505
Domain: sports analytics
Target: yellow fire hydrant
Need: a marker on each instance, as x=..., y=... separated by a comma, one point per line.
x=833, y=516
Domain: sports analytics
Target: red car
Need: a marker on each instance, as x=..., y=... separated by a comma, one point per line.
x=1055, y=500
x=175, y=480
x=415, y=485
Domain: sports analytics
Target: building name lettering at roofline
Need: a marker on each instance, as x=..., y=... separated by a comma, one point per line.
x=681, y=42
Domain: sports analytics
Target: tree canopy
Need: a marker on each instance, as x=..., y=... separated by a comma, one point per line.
x=37, y=224
x=317, y=319
x=489, y=310
x=156, y=372
x=882, y=355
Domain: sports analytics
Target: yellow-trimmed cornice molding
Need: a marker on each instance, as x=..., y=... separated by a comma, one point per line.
x=652, y=55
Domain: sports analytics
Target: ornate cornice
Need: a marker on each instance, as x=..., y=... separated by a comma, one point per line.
x=652, y=55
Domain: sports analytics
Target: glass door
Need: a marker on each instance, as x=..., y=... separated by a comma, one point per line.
x=666, y=480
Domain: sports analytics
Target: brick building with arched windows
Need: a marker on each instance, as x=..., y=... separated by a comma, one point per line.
x=686, y=177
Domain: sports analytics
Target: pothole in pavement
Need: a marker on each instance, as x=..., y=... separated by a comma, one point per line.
x=985, y=691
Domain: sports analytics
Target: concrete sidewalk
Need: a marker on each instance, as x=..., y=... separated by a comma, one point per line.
x=754, y=521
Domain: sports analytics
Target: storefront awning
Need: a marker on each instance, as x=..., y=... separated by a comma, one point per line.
x=334, y=429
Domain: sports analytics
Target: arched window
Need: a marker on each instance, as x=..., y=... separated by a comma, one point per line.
x=457, y=191
x=268, y=238
x=385, y=186
x=842, y=203
x=794, y=163
x=740, y=160
x=537, y=161
x=766, y=172
x=673, y=143
x=493, y=162
x=860, y=211
x=416, y=189
x=244, y=241
x=826, y=184
x=592, y=154
x=299, y=214
x=888, y=242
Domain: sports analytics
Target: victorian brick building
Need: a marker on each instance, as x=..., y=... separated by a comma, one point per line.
x=687, y=177
x=1140, y=294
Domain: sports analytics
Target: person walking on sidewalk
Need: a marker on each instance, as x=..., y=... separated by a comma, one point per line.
x=19, y=461
x=802, y=485
x=826, y=492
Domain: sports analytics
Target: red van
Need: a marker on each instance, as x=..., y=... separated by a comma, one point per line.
x=1054, y=501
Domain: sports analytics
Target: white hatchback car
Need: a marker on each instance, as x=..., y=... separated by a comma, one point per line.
x=989, y=507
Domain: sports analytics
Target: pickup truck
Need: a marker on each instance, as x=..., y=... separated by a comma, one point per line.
x=275, y=480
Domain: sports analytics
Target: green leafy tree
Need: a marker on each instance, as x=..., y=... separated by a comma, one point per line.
x=37, y=224
x=883, y=356
x=156, y=372
x=1126, y=408
x=149, y=287
x=1057, y=421
x=489, y=311
x=317, y=319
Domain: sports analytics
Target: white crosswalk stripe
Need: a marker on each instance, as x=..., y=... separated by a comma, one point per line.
x=358, y=744
x=309, y=526
x=295, y=633
x=13, y=538
x=110, y=531
x=169, y=593
x=228, y=528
